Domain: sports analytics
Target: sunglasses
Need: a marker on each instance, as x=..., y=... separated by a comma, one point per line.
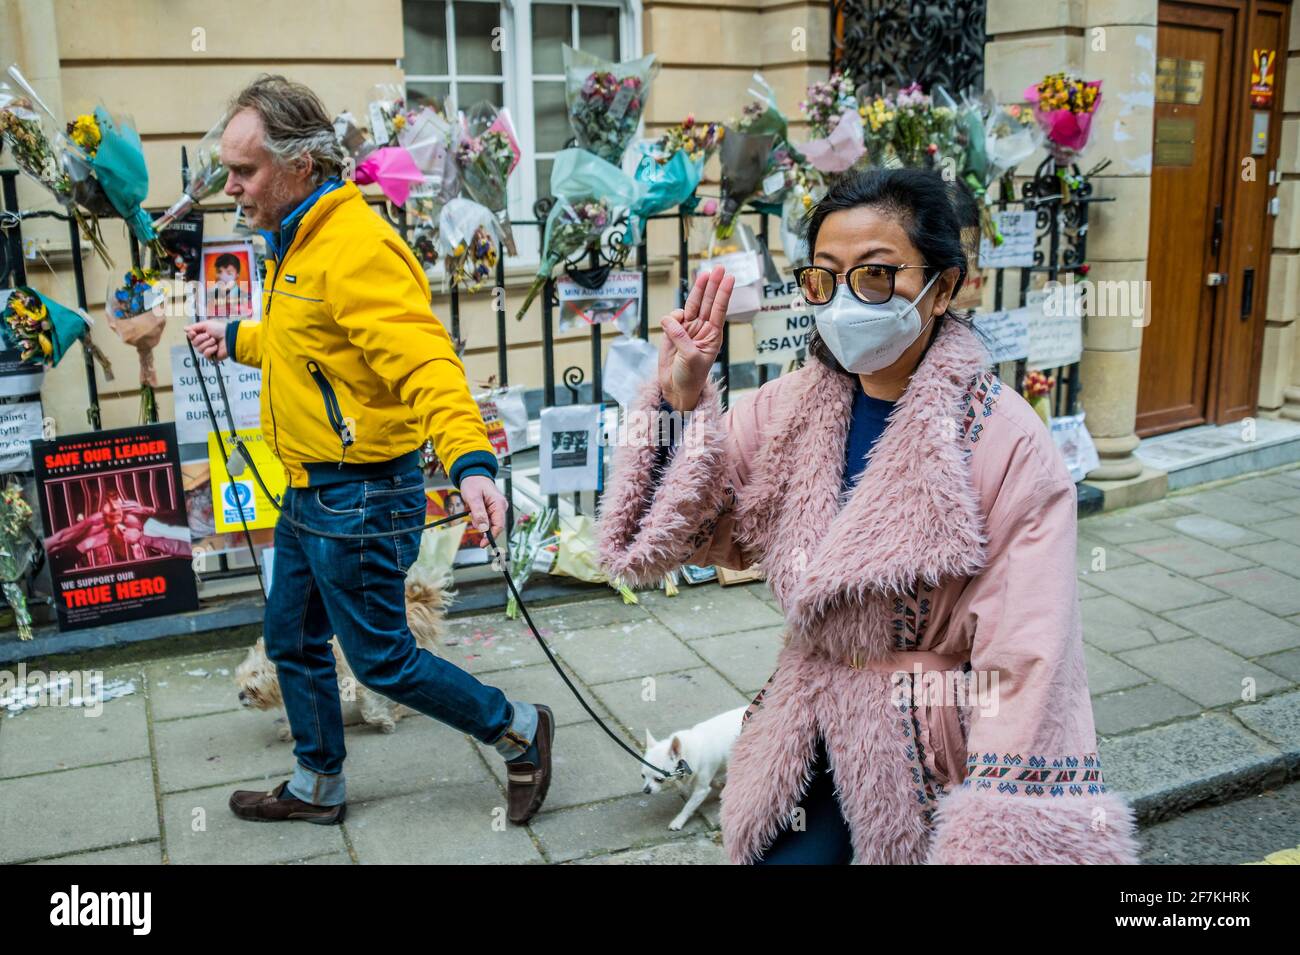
x=871, y=284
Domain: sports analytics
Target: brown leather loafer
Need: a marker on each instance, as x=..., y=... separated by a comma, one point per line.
x=269, y=807
x=527, y=784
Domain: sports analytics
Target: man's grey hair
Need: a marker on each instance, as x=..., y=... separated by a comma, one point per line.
x=297, y=125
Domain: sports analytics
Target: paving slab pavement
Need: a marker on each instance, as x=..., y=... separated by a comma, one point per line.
x=1191, y=609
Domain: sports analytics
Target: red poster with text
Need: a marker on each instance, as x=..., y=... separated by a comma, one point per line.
x=116, y=530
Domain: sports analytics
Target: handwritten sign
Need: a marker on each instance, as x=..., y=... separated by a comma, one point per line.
x=1007, y=333
x=1055, y=327
x=1018, y=240
x=20, y=425
x=783, y=325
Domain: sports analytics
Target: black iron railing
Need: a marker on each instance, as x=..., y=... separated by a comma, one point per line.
x=1060, y=251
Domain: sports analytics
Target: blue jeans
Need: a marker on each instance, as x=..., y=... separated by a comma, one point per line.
x=356, y=590
x=825, y=838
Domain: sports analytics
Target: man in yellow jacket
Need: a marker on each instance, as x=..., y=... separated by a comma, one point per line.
x=356, y=373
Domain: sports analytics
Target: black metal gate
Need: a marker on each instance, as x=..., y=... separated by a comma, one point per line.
x=891, y=43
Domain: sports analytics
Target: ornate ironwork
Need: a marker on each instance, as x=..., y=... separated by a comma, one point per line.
x=573, y=378
x=891, y=43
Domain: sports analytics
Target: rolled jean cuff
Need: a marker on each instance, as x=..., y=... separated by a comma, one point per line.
x=518, y=736
x=317, y=788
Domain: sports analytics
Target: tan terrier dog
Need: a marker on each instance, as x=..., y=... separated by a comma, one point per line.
x=427, y=599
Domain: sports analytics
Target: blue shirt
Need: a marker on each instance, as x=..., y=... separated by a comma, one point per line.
x=866, y=425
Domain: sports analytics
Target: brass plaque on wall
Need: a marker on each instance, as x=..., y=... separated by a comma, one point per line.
x=1179, y=81
x=1173, y=154
x=1174, y=141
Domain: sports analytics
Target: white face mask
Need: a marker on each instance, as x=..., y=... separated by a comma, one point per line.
x=866, y=338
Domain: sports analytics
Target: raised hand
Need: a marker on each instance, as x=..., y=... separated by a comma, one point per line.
x=693, y=338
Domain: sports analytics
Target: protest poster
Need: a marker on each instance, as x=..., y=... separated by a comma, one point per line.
x=238, y=497
x=783, y=325
x=115, y=527
x=243, y=388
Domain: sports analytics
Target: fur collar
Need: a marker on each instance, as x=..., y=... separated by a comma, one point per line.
x=914, y=514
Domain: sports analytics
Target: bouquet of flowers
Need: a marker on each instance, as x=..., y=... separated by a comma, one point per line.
x=576, y=557
x=907, y=129
x=1010, y=137
x=969, y=117
x=387, y=112
x=783, y=161
x=1064, y=106
x=43, y=330
x=207, y=177
x=134, y=312
x=671, y=166
x=605, y=100
x=533, y=547
x=15, y=553
x=803, y=195
x=427, y=136
x=486, y=152
x=33, y=153
x=468, y=241
x=572, y=227
x=112, y=151
x=744, y=158
x=86, y=190
x=832, y=112
x=1037, y=388
x=697, y=140
x=589, y=194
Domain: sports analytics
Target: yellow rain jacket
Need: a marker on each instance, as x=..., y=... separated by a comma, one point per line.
x=356, y=370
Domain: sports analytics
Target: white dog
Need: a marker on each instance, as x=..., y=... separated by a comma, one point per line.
x=704, y=748
x=426, y=602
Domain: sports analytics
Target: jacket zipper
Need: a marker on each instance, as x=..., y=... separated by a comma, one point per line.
x=270, y=400
x=333, y=412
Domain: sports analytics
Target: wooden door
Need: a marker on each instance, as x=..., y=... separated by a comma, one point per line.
x=1210, y=227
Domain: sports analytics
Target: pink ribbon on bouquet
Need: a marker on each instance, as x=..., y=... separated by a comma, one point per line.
x=393, y=170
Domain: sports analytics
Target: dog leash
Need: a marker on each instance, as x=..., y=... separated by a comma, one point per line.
x=498, y=558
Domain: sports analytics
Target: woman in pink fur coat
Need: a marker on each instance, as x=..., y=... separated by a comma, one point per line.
x=933, y=650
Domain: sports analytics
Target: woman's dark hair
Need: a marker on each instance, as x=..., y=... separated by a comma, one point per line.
x=931, y=210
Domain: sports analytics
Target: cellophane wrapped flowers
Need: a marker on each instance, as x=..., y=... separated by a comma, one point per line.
x=207, y=177
x=110, y=147
x=572, y=226
x=836, y=125
x=589, y=196
x=605, y=100
x=671, y=166
x=487, y=151
x=1064, y=106
x=468, y=241
x=533, y=547
x=43, y=330
x=16, y=550
x=133, y=312
x=908, y=129
x=36, y=157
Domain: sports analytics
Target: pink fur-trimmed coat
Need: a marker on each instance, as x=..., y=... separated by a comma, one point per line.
x=959, y=538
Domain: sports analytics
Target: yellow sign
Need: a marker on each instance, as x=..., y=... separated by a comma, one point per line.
x=230, y=497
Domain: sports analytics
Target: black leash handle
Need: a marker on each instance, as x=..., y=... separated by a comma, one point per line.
x=498, y=559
